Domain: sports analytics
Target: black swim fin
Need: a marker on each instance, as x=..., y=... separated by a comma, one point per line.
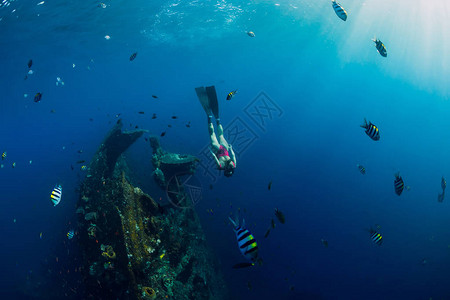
x=203, y=98
x=213, y=103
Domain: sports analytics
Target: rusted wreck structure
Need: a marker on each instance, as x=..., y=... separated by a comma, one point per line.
x=132, y=247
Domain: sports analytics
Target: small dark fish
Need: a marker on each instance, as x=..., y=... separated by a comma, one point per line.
x=280, y=216
x=90, y=119
x=163, y=133
x=26, y=77
x=324, y=242
x=141, y=112
x=441, y=197
x=170, y=126
x=269, y=186
x=188, y=124
x=243, y=265
x=133, y=56
x=30, y=63
x=136, y=126
x=118, y=121
x=272, y=222
x=443, y=183
x=361, y=169
x=174, y=117
x=37, y=97
x=267, y=233
x=376, y=237
x=210, y=186
x=371, y=130
x=71, y=166
x=146, y=139
x=80, y=151
x=231, y=94
x=154, y=116
x=80, y=161
x=291, y=288
x=339, y=10
x=154, y=96
x=380, y=47
x=399, y=185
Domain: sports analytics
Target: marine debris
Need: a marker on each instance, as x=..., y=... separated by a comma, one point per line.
x=131, y=246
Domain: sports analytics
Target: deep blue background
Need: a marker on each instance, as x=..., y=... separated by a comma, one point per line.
x=324, y=73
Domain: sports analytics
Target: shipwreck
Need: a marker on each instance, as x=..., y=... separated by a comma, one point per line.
x=133, y=247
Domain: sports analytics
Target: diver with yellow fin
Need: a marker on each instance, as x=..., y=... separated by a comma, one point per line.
x=222, y=151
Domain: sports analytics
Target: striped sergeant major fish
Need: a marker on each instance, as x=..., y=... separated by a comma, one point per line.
x=56, y=195
x=339, y=10
x=247, y=244
x=70, y=234
x=361, y=169
x=399, y=185
x=231, y=94
x=380, y=47
x=371, y=130
x=376, y=237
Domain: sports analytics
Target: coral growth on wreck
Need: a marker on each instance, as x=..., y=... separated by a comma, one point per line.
x=134, y=248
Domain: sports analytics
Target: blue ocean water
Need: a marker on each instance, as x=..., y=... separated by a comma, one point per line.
x=319, y=78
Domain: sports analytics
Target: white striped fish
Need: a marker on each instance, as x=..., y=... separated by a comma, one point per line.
x=247, y=244
x=56, y=195
x=339, y=10
x=376, y=237
x=380, y=47
x=371, y=130
x=399, y=185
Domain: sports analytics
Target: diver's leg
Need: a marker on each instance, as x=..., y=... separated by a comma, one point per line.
x=220, y=132
x=214, y=143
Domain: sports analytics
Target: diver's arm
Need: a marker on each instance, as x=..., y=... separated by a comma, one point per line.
x=232, y=156
x=215, y=158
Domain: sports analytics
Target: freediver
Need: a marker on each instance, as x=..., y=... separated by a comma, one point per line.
x=222, y=151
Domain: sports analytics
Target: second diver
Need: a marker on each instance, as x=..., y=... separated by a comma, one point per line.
x=222, y=151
